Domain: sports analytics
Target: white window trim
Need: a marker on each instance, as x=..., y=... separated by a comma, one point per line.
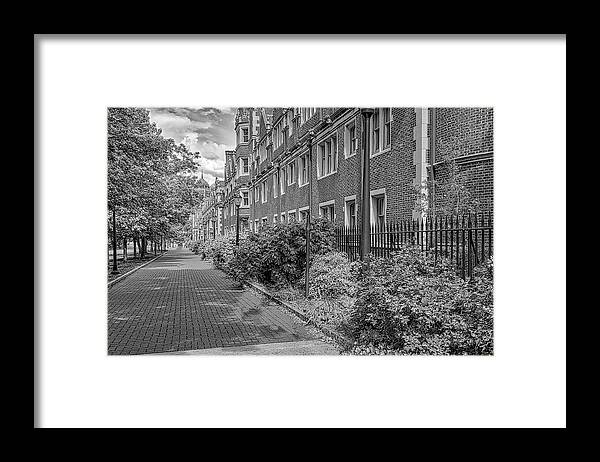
x=291, y=178
x=347, y=142
x=263, y=197
x=242, y=206
x=372, y=137
x=274, y=218
x=275, y=185
x=346, y=216
x=300, y=170
x=337, y=160
x=325, y=204
x=378, y=192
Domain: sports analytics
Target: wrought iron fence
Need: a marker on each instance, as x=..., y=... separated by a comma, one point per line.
x=465, y=240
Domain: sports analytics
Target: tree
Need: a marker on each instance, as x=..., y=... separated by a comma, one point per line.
x=151, y=186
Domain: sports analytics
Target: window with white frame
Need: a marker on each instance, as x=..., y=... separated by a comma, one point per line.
x=381, y=130
x=303, y=170
x=350, y=140
x=263, y=191
x=291, y=173
x=350, y=212
x=327, y=157
x=327, y=211
x=256, y=194
x=256, y=225
x=378, y=206
x=282, y=219
x=262, y=150
x=387, y=127
x=264, y=221
x=245, y=199
x=291, y=216
x=376, y=133
x=275, y=218
x=275, y=182
x=303, y=214
x=245, y=135
x=244, y=168
x=282, y=180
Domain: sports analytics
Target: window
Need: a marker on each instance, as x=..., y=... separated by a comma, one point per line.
x=262, y=151
x=275, y=183
x=264, y=191
x=291, y=217
x=292, y=173
x=303, y=178
x=245, y=135
x=350, y=144
x=378, y=209
x=244, y=166
x=303, y=215
x=327, y=157
x=387, y=127
x=264, y=221
x=306, y=113
x=283, y=217
x=256, y=225
x=282, y=180
x=350, y=214
x=256, y=195
x=275, y=218
x=245, y=199
x=376, y=132
x=327, y=211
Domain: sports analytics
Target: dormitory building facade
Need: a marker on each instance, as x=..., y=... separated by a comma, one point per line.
x=269, y=167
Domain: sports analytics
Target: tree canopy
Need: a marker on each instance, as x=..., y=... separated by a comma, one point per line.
x=151, y=186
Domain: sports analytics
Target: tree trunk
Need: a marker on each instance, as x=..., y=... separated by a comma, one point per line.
x=124, y=249
x=134, y=249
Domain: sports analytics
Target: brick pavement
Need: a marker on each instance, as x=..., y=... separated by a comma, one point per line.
x=179, y=302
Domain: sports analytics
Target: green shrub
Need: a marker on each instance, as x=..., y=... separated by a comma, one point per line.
x=411, y=306
x=333, y=286
x=221, y=250
x=277, y=253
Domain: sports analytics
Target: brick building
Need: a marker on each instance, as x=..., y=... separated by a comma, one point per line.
x=408, y=146
x=237, y=172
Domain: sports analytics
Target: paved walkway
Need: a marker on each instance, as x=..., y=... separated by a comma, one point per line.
x=179, y=303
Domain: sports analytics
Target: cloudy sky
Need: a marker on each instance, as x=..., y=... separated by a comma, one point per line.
x=207, y=130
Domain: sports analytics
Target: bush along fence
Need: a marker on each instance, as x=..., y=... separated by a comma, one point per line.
x=465, y=240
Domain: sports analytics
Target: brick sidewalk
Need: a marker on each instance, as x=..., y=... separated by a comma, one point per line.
x=179, y=302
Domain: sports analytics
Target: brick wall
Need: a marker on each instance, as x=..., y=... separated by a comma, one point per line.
x=470, y=130
x=467, y=135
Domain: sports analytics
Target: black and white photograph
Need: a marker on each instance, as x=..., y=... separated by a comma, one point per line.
x=255, y=231
x=300, y=230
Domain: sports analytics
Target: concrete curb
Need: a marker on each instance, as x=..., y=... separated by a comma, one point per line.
x=330, y=333
x=123, y=276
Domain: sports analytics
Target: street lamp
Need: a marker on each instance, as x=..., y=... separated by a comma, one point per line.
x=365, y=244
x=237, y=200
x=214, y=217
x=115, y=268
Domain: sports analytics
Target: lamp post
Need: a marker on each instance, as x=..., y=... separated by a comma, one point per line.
x=365, y=234
x=214, y=217
x=115, y=268
x=237, y=200
x=311, y=137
